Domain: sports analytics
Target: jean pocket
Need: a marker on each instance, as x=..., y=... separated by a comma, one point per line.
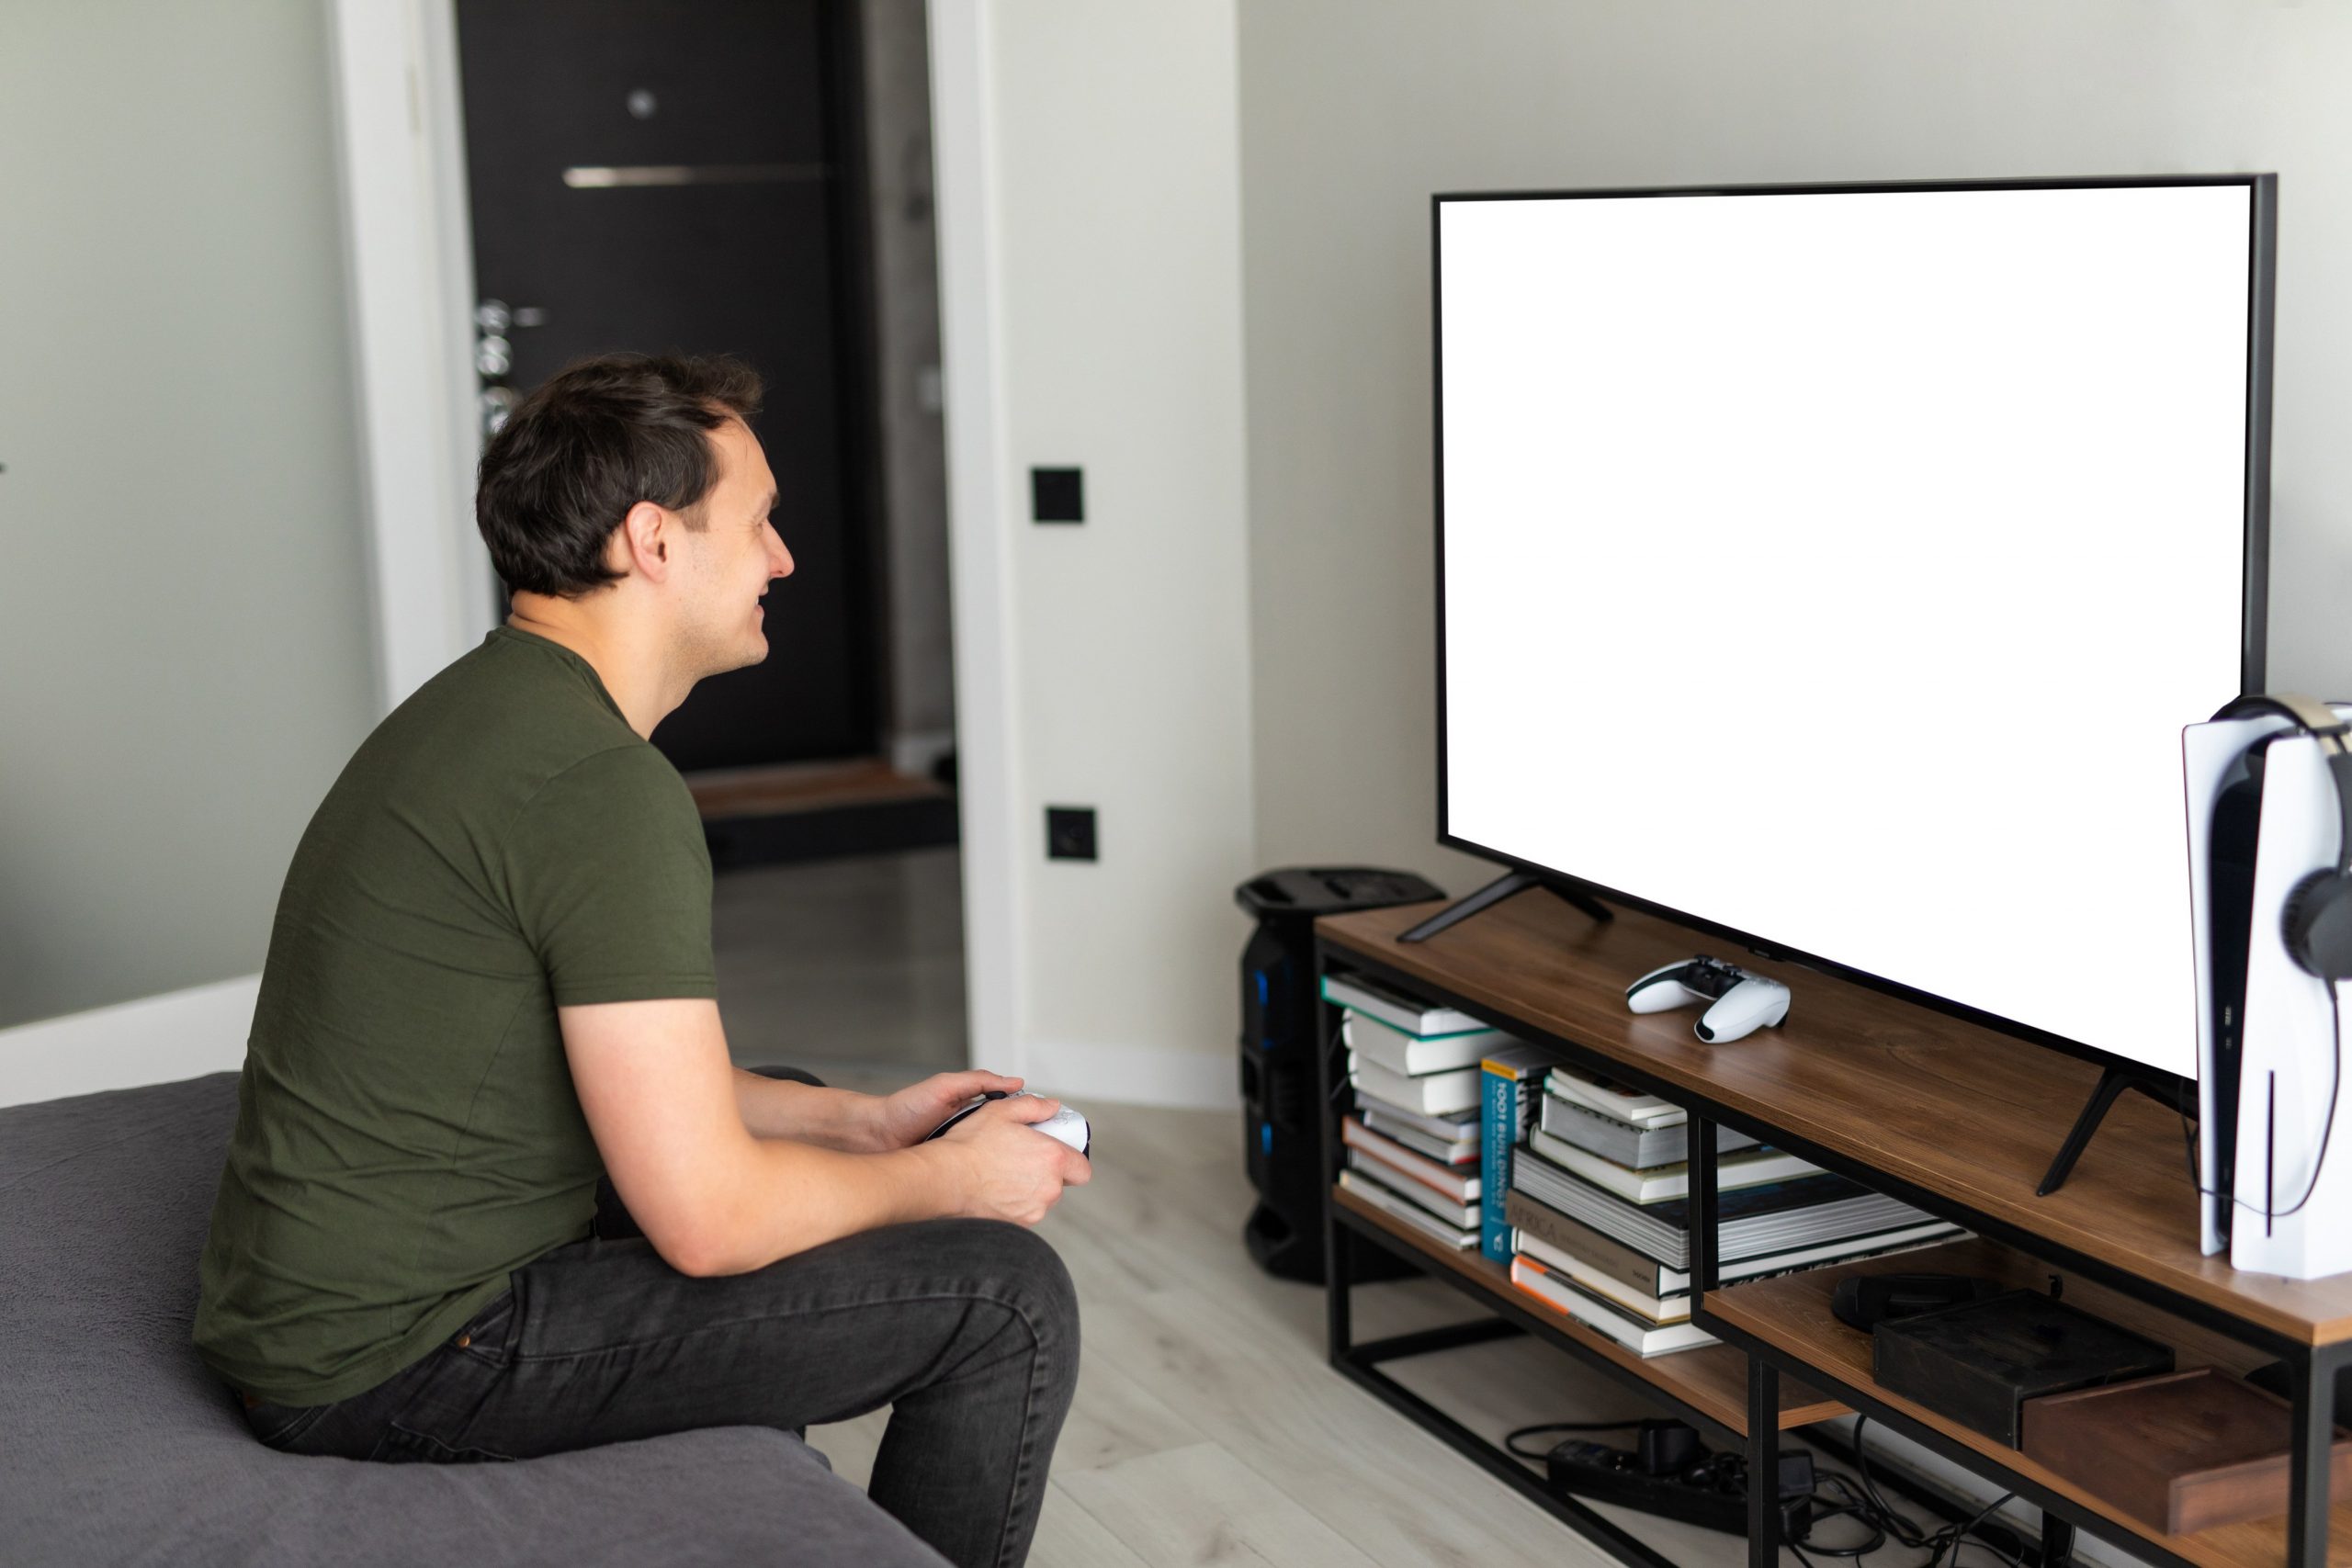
x=488, y=1334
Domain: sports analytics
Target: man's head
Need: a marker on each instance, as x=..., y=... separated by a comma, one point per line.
x=630, y=486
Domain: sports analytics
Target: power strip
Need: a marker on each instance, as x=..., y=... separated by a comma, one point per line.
x=1672, y=1475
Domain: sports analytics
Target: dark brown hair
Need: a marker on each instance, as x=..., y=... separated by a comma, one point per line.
x=599, y=436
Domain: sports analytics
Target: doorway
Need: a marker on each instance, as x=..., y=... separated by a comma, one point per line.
x=694, y=176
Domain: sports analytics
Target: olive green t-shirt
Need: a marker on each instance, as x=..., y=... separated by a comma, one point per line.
x=407, y=1130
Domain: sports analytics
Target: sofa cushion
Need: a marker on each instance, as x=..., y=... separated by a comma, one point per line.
x=120, y=1446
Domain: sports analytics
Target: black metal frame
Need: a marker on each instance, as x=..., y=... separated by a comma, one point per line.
x=2262, y=246
x=2311, y=1370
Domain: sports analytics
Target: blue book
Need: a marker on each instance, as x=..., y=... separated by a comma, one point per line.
x=1510, y=1080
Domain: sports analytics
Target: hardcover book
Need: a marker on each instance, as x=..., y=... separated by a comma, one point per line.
x=1746, y=1167
x=1642, y=1339
x=1414, y=1055
x=1508, y=1077
x=1392, y=1007
x=1626, y=1142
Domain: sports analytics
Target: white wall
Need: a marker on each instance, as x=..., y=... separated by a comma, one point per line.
x=184, y=658
x=1090, y=209
x=1354, y=111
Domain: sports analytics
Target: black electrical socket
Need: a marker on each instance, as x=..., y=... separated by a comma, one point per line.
x=1070, y=832
x=1057, y=495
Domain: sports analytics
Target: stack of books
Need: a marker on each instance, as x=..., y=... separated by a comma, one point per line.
x=1412, y=1144
x=1600, y=1206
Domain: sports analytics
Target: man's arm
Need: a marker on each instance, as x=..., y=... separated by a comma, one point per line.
x=860, y=1123
x=834, y=1117
x=661, y=1099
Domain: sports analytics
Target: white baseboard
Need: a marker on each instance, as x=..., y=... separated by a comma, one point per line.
x=1134, y=1075
x=180, y=1034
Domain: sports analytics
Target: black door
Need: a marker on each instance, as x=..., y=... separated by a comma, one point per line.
x=671, y=175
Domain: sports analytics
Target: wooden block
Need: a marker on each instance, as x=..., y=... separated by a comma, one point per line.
x=1977, y=1363
x=2180, y=1453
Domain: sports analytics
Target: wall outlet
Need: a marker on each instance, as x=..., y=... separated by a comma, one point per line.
x=1057, y=495
x=1070, y=832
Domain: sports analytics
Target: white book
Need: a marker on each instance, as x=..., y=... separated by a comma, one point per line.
x=1741, y=1167
x=1433, y=1094
x=1413, y=1055
x=1452, y=1149
x=1910, y=1239
x=1420, y=1219
x=1672, y=1309
x=1633, y=1106
x=1451, y=1127
x=1631, y=1333
x=1463, y=1215
x=1411, y=1014
x=1459, y=1185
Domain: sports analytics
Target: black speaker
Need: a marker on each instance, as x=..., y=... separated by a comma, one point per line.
x=1281, y=1013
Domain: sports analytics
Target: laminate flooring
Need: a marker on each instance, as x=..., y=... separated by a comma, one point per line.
x=1208, y=1429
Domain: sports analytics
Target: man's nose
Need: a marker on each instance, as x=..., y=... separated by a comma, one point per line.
x=779, y=559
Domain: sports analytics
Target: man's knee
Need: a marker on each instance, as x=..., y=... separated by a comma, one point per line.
x=1021, y=1269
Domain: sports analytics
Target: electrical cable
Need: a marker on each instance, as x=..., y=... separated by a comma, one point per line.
x=1835, y=1496
x=1510, y=1439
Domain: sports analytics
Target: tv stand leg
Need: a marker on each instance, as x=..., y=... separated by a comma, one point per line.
x=2112, y=1085
x=2057, y=1542
x=1763, y=1462
x=1494, y=893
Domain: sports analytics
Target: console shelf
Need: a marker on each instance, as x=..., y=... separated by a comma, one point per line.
x=1955, y=1117
x=1790, y=1315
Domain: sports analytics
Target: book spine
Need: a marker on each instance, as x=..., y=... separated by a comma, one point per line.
x=1498, y=1131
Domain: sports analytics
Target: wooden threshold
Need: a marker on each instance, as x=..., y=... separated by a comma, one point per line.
x=1712, y=1380
x=721, y=792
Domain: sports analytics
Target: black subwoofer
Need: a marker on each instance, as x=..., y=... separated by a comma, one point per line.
x=1280, y=1028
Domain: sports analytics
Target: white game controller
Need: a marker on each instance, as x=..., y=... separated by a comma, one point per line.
x=1742, y=1003
x=1065, y=1126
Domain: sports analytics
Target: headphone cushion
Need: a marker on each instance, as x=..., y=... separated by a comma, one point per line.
x=2319, y=925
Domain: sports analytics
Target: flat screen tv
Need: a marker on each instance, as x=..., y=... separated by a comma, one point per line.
x=1834, y=568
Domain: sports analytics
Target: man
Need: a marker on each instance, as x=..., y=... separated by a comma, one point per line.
x=490, y=984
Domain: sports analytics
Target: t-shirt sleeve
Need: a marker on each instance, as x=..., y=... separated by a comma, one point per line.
x=611, y=882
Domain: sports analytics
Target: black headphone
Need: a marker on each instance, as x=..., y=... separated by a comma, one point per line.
x=2318, y=912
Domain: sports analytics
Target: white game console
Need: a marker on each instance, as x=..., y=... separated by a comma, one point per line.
x=2269, y=1067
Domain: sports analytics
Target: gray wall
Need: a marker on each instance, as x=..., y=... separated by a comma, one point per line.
x=1354, y=111
x=184, y=657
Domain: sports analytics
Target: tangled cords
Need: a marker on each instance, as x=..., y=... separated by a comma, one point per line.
x=1835, y=1497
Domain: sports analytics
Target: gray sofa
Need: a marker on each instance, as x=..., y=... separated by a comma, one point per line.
x=117, y=1446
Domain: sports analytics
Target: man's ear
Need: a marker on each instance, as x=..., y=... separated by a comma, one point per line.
x=642, y=543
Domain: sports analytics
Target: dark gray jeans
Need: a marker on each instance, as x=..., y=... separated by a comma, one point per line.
x=967, y=1328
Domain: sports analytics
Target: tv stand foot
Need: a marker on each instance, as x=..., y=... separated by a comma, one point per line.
x=1494, y=893
x=2112, y=1085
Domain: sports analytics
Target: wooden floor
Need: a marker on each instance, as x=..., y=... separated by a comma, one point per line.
x=1208, y=1429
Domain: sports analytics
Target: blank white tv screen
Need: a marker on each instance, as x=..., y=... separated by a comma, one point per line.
x=1840, y=569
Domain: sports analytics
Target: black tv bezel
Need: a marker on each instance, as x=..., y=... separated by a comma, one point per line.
x=2261, y=268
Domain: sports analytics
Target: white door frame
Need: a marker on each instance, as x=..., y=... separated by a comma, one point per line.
x=400, y=151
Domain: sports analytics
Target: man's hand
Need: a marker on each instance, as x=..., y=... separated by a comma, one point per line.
x=906, y=1117
x=1011, y=1171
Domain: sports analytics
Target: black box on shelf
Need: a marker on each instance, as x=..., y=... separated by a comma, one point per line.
x=1977, y=1362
